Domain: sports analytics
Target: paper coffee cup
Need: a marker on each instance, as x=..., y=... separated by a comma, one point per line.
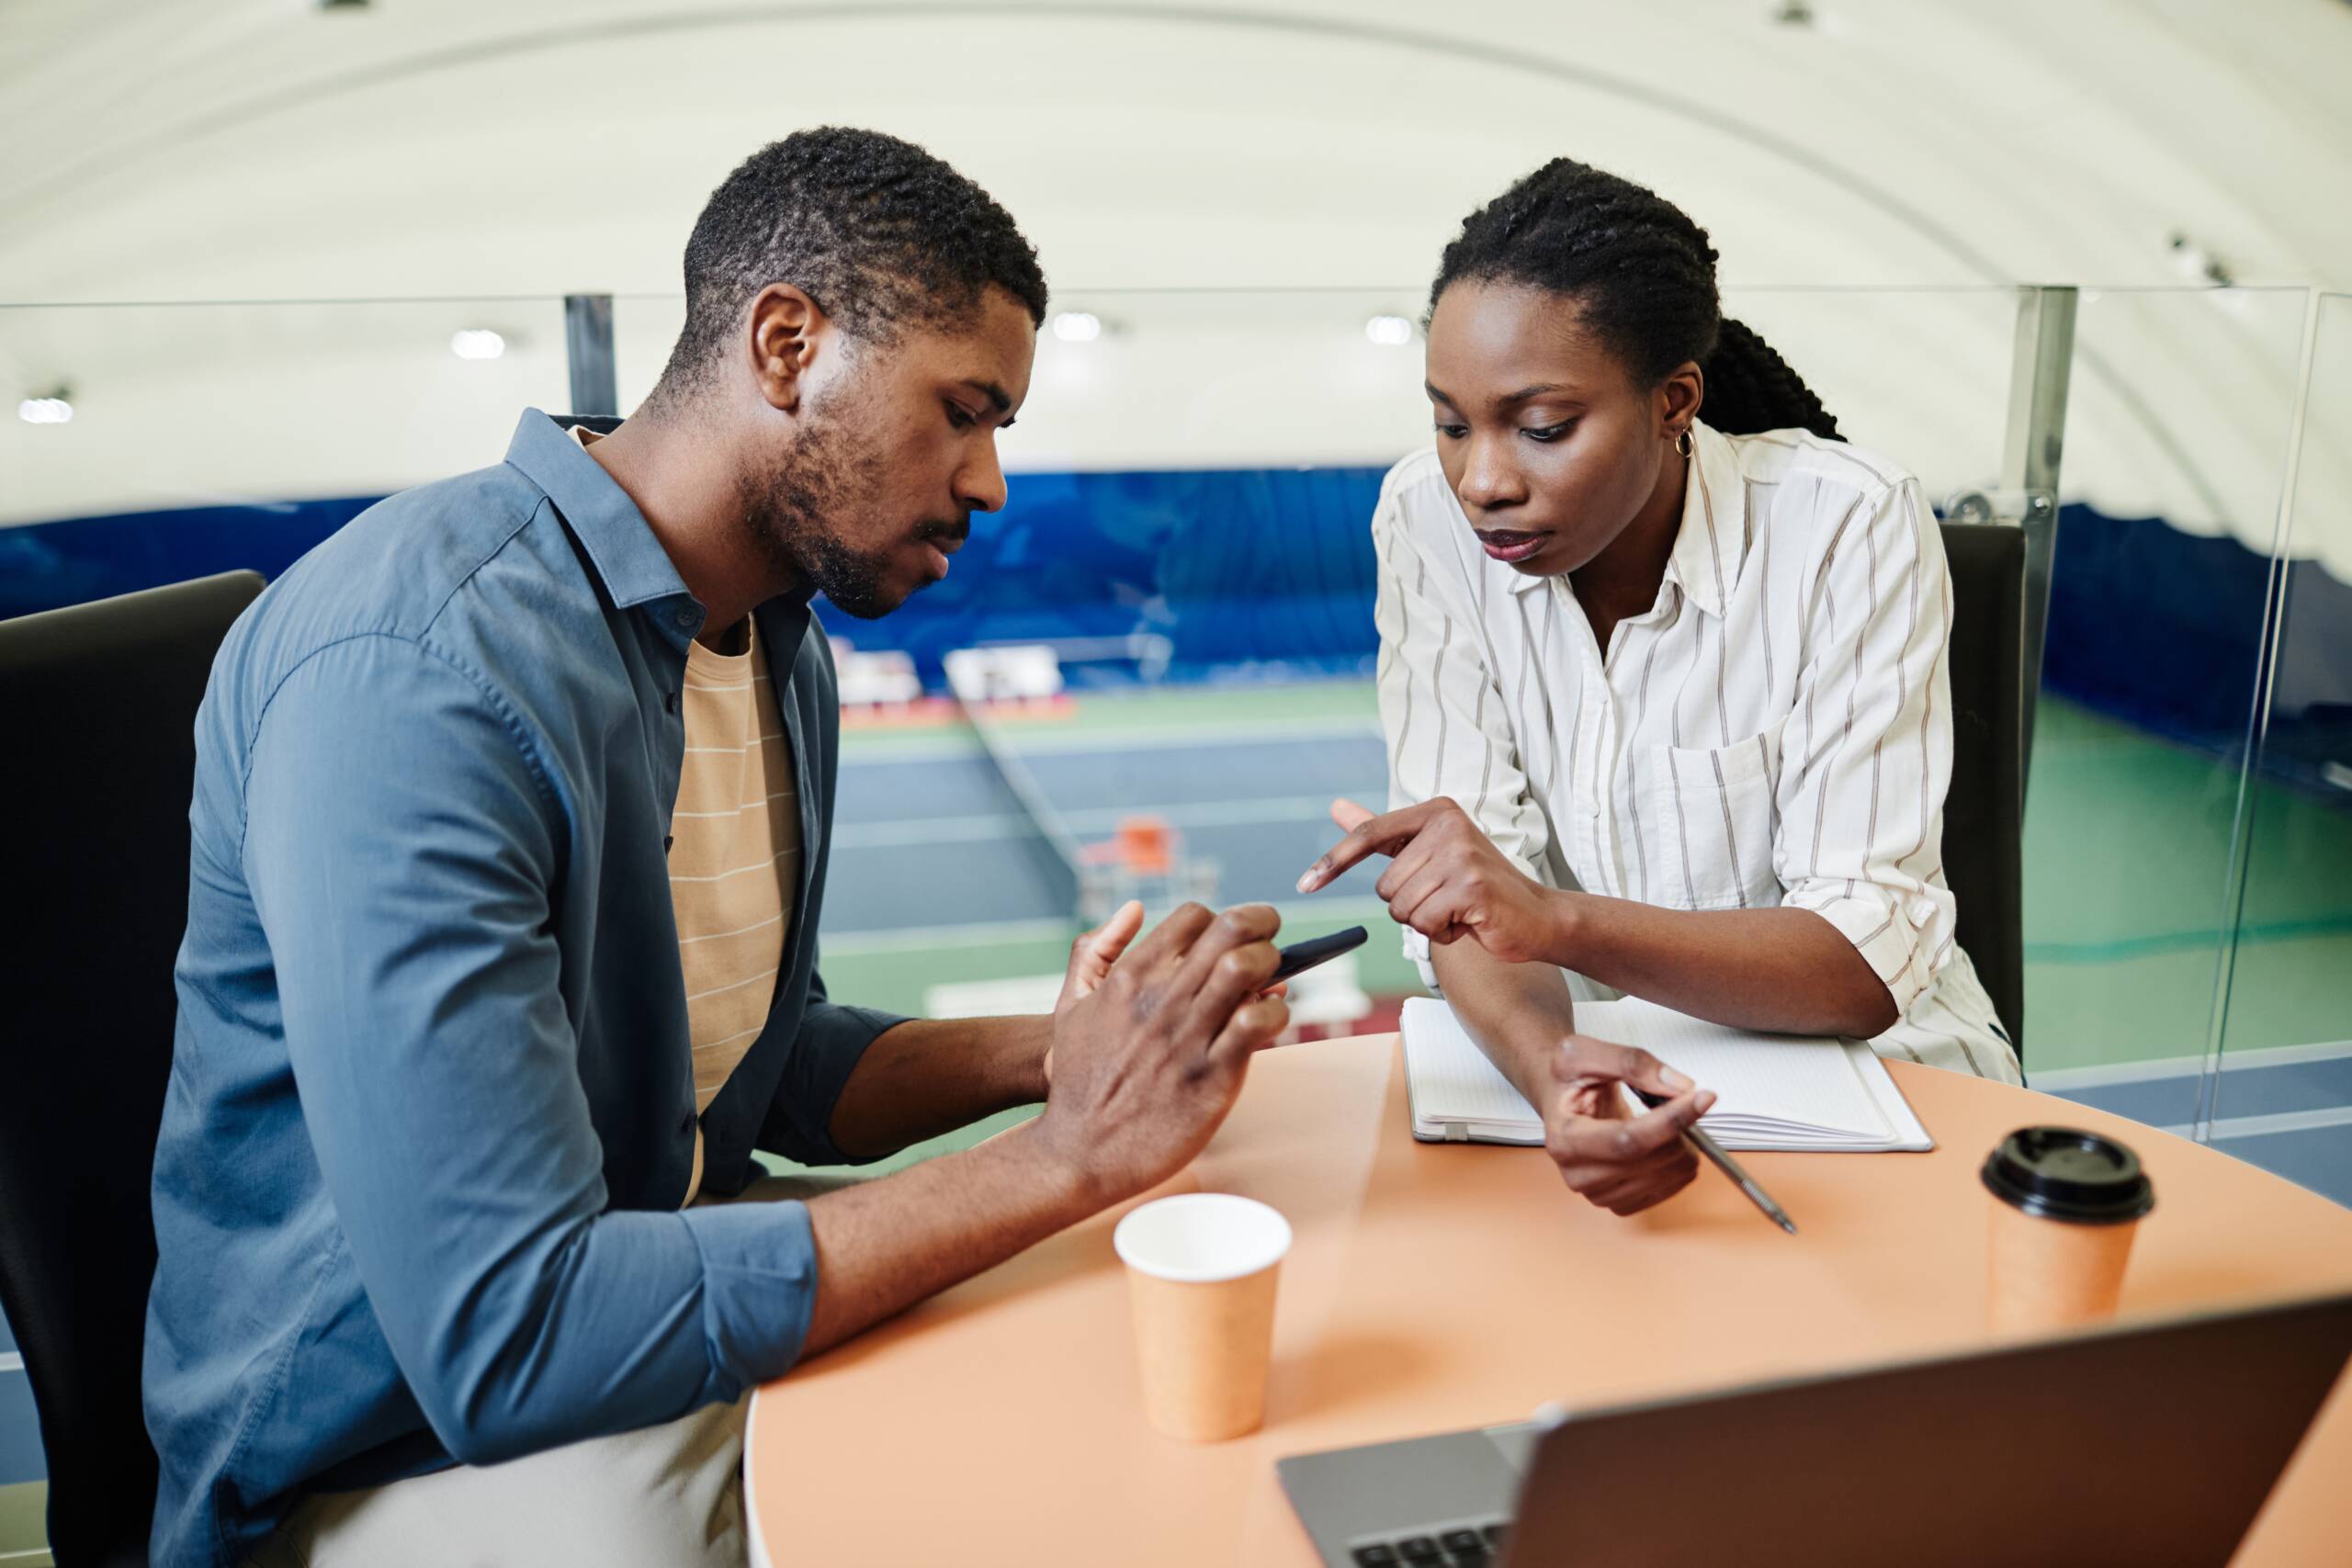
x=1200, y=1271
x=2065, y=1206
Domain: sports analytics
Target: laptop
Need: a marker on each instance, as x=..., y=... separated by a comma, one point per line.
x=2146, y=1443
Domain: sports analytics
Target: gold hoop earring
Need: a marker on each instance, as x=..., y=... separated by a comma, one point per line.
x=1682, y=443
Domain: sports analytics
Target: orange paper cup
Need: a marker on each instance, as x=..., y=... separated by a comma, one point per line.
x=1200, y=1271
x=2065, y=1206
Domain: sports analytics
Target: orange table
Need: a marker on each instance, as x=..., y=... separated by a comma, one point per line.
x=1437, y=1287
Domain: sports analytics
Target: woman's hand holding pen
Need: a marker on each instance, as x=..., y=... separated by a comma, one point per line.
x=1622, y=1162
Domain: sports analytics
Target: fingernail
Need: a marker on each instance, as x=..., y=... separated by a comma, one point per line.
x=1673, y=1079
x=1706, y=1098
x=1304, y=880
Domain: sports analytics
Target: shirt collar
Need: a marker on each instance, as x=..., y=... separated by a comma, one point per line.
x=619, y=542
x=1712, y=544
x=1711, y=540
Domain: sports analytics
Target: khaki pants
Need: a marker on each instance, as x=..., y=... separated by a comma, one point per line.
x=665, y=1494
x=668, y=1495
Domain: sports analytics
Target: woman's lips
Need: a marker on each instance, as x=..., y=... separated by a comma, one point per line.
x=1505, y=545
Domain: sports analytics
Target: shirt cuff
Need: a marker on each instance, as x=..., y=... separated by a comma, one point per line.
x=759, y=1272
x=1879, y=931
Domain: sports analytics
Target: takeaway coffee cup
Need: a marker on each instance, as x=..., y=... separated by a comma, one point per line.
x=2065, y=1206
x=1200, y=1271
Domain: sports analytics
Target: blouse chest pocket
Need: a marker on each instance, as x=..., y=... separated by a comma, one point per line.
x=1708, y=817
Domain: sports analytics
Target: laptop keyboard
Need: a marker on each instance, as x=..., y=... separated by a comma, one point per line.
x=1438, y=1549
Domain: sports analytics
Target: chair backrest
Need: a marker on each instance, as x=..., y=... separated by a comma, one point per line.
x=100, y=702
x=1985, y=812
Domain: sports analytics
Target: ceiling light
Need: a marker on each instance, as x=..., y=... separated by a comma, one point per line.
x=1077, y=326
x=2198, y=265
x=1389, y=331
x=477, y=342
x=51, y=410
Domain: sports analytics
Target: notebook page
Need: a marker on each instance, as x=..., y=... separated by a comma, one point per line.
x=1768, y=1084
x=1450, y=1079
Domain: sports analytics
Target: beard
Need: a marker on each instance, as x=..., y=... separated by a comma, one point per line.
x=800, y=509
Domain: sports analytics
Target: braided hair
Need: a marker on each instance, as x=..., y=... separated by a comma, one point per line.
x=1643, y=275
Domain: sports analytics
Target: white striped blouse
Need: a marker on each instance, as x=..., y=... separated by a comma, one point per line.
x=1775, y=730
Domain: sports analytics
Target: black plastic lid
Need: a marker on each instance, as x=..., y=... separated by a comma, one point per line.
x=2064, y=1173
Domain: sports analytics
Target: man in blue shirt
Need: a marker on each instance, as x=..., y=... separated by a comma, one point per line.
x=432, y=1109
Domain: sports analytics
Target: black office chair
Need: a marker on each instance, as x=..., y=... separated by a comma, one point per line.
x=100, y=706
x=1984, y=813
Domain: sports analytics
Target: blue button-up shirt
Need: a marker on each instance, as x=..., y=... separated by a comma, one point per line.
x=432, y=1107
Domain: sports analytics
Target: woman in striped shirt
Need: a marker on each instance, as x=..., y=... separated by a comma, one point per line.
x=1663, y=672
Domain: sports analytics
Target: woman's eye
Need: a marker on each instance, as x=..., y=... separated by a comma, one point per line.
x=1549, y=431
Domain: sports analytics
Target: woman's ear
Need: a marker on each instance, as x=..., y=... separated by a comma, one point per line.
x=1678, y=398
x=784, y=323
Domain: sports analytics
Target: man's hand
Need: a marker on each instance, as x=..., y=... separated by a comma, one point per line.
x=1448, y=880
x=1622, y=1162
x=1092, y=955
x=1150, y=1058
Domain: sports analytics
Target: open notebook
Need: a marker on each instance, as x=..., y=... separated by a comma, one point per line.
x=1772, y=1091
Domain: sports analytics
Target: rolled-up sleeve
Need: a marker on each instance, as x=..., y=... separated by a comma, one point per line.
x=1865, y=755
x=401, y=843
x=1447, y=725
x=832, y=1040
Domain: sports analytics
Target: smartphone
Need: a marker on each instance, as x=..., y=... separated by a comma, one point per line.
x=1300, y=956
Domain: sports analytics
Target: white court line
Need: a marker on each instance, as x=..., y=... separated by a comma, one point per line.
x=1100, y=820
x=884, y=749
x=988, y=933
x=907, y=939
x=2227, y=1128
x=12, y=1362
x=2061, y=1079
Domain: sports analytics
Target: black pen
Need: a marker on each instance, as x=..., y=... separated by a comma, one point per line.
x=1707, y=1146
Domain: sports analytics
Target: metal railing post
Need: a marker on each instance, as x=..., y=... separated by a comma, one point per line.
x=2034, y=444
x=588, y=351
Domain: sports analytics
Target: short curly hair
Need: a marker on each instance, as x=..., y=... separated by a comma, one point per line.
x=881, y=234
x=1643, y=274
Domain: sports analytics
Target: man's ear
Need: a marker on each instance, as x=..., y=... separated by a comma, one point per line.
x=785, y=324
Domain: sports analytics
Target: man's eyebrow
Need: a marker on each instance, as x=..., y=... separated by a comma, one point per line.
x=996, y=395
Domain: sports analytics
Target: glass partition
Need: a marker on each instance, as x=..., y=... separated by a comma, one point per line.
x=2180, y=408
x=1187, y=544
x=156, y=443
x=2283, y=1096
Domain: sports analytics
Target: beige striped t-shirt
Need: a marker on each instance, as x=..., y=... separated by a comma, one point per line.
x=734, y=855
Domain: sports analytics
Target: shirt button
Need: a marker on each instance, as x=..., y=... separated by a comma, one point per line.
x=686, y=617
x=670, y=701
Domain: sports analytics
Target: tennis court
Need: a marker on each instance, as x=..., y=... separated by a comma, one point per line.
x=941, y=874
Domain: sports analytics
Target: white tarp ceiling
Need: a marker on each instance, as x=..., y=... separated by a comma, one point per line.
x=1918, y=153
